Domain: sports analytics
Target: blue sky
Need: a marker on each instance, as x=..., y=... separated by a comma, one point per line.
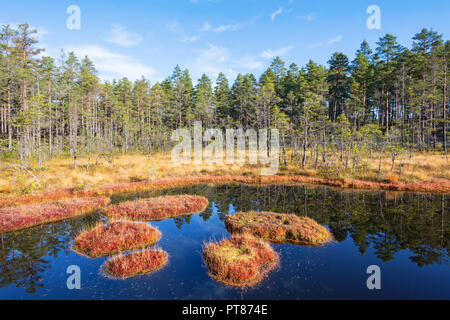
x=134, y=38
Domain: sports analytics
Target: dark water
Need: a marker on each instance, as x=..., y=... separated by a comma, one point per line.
x=406, y=235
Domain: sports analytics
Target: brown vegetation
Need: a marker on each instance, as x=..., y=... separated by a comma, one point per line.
x=277, y=227
x=438, y=186
x=136, y=263
x=118, y=236
x=241, y=261
x=26, y=216
x=158, y=208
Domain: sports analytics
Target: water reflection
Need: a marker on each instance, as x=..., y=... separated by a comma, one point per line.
x=25, y=255
x=386, y=222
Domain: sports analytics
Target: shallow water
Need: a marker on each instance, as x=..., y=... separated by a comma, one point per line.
x=406, y=235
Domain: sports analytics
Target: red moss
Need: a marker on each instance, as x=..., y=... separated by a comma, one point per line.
x=116, y=237
x=278, y=227
x=241, y=261
x=158, y=208
x=26, y=216
x=441, y=186
x=136, y=263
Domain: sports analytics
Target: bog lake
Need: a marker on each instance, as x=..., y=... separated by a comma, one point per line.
x=406, y=234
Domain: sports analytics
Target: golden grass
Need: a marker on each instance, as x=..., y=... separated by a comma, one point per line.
x=27, y=216
x=159, y=208
x=241, y=261
x=59, y=174
x=278, y=227
x=136, y=263
x=134, y=173
x=116, y=237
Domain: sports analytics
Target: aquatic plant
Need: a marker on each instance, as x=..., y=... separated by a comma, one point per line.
x=240, y=261
x=158, y=208
x=136, y=263
x=118, y=236
x=278, y=227
x=26, y=216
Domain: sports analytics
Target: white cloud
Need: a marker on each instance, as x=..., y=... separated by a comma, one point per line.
x=276, y=13
x=113, y=65
x=329, y=42
x=190, y=39
x=206, y=27
x=212, y=61
x=335, y=40
x=249, y=63
x=229, y=27
x=269, y=53
x=121, y=37
x=309, y=17
x=176, y=28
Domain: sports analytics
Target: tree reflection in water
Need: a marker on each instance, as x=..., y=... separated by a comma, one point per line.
x=387, y=222
x=25, y=255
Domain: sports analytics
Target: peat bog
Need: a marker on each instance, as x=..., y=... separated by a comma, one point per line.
x=406, y=234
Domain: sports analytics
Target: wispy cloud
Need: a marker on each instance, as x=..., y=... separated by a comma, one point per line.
x=249, y=63
x=121, y=37
x=276, y=13
x=335, y=40
x=113, y=65
x=206, y=27
x=269, y=53
x=229, y=27
x=212, y=60
x=309, y=17
x=176, y=28
x=329, y=42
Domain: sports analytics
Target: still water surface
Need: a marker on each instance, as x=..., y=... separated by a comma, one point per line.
x=407, y=235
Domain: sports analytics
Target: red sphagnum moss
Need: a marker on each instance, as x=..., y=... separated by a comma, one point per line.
x=116, y=237
x=278, y=227
x=159, y=208
x=240, y=261
x=27, y=216
x=136, y=263
x=441, y=186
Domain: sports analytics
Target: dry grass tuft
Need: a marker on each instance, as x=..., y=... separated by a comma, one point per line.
x=136, y=263
x=26, y=216
x=154, y=209
x=118, y=236
x=241, y=261
x=278, y=227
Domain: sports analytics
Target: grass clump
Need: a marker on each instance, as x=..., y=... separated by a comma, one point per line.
x=30, y=215
x=159, y=208
x=136, y=263
x=278, y=227
x=118, y=236
x=241, y=261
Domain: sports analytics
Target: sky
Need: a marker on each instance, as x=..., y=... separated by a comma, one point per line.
x=149, y=38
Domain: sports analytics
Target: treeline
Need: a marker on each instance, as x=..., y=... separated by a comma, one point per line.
x=390, y=98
